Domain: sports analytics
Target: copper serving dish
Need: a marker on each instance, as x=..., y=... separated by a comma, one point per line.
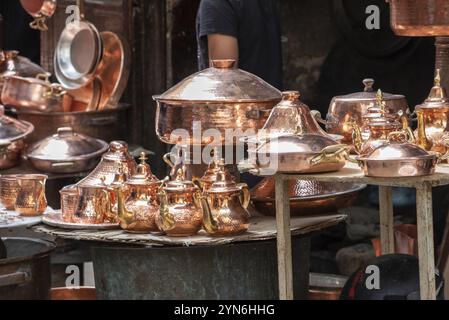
x=137, y=203
x=180, y=208
x=66, y=152
x=40, y=10
x=220, y=98
x=398, y=159
x=12, y=135
x=349, y=109
x=36, y=94
x=419, y=18
x=225, y=205
x=433, y=118
x=306, y=197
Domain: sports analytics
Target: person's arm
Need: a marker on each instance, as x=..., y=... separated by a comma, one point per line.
x=223, y=47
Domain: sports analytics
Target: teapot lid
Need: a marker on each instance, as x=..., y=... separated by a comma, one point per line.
x=380, y=116
x=368, y=94
x=143, y=175
x=118, y=151
x=437, y=97
x=180, y=183
x=224, y=182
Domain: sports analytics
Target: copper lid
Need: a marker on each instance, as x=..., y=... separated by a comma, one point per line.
x=303, y=144
x=224, y=182
x=118, y=151
x=210, y=175
x=180, y=183
x=221, y=83
x=368, y=94
x=437, y=98
x=143, y=175
x=67, y=145
x=11, y=129
x=380, y=116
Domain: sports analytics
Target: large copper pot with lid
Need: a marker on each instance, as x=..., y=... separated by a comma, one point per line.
x=220, y=98
x=66, y=152
x=348, y=109
x=419, y=18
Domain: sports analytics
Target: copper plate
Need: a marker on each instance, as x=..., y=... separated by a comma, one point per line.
x=55, y=220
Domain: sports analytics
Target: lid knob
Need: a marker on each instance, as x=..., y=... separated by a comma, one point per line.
x=291, y=95
x=437, y=93
x=369, y=84
x=115, y=146
x=223, y=63
x=65, y=131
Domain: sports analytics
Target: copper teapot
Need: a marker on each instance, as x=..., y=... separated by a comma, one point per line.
x=180, y=208
x=137, y=205
x=225, y=206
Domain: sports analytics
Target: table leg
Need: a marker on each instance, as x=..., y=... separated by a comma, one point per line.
x=284, y=240
x=2, y=249
x=386, y=219
x=425, y=241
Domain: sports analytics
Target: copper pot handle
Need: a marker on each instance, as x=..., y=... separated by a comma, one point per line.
x=399, y=134
x=317, y=116
x=39, y=24
x=14, y=279
x=329, y=154
x=245, y=196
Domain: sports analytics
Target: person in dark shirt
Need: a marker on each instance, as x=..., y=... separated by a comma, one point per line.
x=247, y=31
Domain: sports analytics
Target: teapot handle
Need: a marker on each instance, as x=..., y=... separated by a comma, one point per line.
x=209, y=222
x=245, y=197
x=167, y=160
x=41, y=199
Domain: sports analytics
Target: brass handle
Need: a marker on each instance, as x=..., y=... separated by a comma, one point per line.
x=167, y=219
x=40, y=24
x=398, y=134
x=357, y=138
x=63, y=165
x=329, y=154
x=246, y=195
x=54, y=92
x=317, y=116
x=210, y=224
x=41, y=197
x=44, y=77
x=167, y=160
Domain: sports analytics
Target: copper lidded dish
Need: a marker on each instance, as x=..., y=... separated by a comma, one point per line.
x=221, y=98
x=66, y=152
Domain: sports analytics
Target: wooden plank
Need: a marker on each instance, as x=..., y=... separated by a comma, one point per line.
x=425, y=241
x=386, y=219
x=284, y=245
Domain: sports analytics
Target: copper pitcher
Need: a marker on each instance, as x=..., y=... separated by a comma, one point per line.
x=225, y=206
x=92, y=205
x=137, y=204
x=31, y=200
x=180, y=211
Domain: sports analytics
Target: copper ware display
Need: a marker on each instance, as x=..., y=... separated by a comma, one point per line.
x=40, y=10
x=8, y=191
x=106, y=125
x=306, y=197
x=36, y=94
x=418, y=18
x=138, y=206
x=92, y=205
x=31, y=200
x=225, y=205
x=398, y=159
x=220, y=98
x=117, y=160
x=66, y=152
x=433, y=118
x=306, y=153
x=348, y=109
x=12, y=135
x=180, y=208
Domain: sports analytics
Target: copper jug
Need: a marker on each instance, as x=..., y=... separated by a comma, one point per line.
x=92, y=205
x=180, y=213
x=137, y=203
x=225, y=206
x=31, y=200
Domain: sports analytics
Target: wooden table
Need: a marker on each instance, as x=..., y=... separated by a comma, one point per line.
x=352, y=173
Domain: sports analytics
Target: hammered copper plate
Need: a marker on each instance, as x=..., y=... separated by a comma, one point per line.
x=55, y=220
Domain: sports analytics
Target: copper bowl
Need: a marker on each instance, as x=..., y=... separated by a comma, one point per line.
x=306, y=197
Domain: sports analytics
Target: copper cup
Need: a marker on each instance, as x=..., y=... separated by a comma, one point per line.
x=31, y=200
x=8, y=191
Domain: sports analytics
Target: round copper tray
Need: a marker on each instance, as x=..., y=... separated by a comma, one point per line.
x=55, y=220
x=306, y=197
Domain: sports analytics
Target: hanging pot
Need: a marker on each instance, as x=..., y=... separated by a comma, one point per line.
x=40, y=10
x=220, y=98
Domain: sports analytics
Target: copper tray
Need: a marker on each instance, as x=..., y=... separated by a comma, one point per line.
x=306, y=197
x=55, y=220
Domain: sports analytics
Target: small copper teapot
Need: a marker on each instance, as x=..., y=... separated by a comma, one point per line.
x=225, y=206
x=180, y=208
x=136, y=200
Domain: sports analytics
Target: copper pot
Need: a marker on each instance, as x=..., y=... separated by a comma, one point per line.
x=40, y=10
x=220, y=98
x=398, y=159
x=180, y=208
x=36, y=94
x=349, y=109
x=306, y=197
x=12, y=135
x=433, y=119
x=418, y=18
